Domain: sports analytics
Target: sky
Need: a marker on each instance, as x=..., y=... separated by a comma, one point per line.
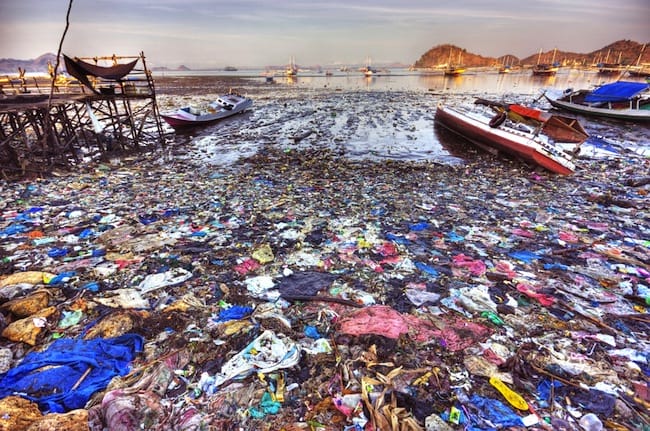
x=256, y=33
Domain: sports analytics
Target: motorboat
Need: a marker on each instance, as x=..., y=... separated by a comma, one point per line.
x=540, y=141
x=225, y=106
x=622, y=100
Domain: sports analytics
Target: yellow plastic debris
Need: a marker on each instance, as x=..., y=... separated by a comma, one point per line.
x=28, y=277
x=264, y=254
x=513, y=398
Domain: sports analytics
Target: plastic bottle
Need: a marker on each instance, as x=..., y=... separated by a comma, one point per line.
x=590, y=422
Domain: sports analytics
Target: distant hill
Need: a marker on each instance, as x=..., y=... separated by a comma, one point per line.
x=182, y=68
x=625, y=52
x=442, y=55
x=39, y=64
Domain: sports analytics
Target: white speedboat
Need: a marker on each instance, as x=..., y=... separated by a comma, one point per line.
x=225, y=106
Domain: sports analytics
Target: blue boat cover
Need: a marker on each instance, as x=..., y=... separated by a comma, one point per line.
x=619, y=91
x=70, y=371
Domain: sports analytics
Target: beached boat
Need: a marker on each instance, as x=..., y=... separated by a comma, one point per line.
x=622, y=100
x=559, y=128
x=497, y=132
x=225, y=106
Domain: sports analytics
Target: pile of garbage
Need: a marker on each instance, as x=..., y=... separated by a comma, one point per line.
x=301, y=291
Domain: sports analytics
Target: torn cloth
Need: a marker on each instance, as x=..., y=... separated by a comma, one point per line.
x=55, y=378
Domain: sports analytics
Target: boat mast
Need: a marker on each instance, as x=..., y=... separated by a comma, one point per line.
x=638, y=60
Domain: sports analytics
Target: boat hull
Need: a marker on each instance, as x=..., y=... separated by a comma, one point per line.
x=617, y=114
x=519, y=144
x=181, y=120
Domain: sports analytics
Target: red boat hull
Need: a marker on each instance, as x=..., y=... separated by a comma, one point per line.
x=508, y=143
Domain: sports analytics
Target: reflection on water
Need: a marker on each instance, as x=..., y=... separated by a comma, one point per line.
x=522, y=82
x=385, y=116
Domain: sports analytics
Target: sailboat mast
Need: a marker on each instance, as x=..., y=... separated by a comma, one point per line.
x=638, y=60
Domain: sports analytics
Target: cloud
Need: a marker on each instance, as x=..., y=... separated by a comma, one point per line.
x=254, y=32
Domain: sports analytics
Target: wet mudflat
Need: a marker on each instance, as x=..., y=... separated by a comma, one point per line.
x=329, y=260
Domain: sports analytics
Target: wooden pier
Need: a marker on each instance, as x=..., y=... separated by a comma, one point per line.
x=48, y=123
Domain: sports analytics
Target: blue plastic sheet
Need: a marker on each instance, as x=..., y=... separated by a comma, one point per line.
x=525, y=256
x=418, y=227
x=544, y=389
x=235, y=312
x=559, y=266
x=49, y=377
x=426, y=268
x=312, y=332
x=397, y=238
x=496, y=412
x=454, y=237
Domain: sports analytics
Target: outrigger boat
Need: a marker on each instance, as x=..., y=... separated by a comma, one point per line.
x=622, y=100
x=225, y=106
x=530, y=134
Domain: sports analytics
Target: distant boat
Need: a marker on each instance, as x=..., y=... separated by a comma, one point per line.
x=505, y=67
x=367, y=70
x=607, y=68
x=230, y=69
x=622, y=100
x=545, y=69
x=454, y=70
x=640, y=71
x=225, y=106
x=610, y=68
x=292, y=69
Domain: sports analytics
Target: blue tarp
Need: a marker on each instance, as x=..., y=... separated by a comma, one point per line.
x=616, y=92
x=56, y=378
x=496, y=412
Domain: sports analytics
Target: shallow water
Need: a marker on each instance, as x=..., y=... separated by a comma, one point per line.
x=390, y=116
